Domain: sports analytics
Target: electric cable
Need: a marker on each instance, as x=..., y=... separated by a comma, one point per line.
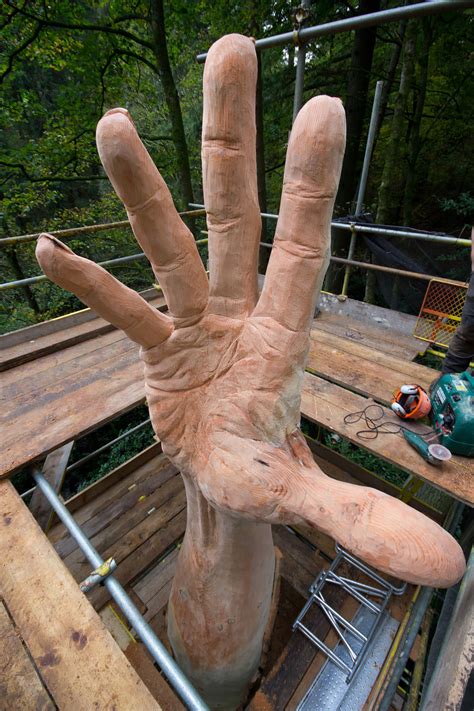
x=375, y=424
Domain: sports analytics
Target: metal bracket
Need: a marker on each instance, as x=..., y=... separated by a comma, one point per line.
x=381, y=590
x=98, y=575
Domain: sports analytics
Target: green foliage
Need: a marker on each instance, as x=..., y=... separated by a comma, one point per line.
x=365, y=459
x=463, y=205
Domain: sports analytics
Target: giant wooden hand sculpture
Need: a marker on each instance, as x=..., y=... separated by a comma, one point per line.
x=224, y=369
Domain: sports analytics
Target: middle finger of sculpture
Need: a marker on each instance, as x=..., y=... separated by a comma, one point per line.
x=224, y=370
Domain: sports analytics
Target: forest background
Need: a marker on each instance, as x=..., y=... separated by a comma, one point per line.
x=63, y=63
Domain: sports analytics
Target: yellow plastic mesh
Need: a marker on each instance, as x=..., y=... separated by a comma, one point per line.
x=440, y=313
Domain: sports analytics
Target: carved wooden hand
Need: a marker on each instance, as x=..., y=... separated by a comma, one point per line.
x=224, y=368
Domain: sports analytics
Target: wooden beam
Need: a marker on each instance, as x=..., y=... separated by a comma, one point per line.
x=54, y=470
x=20, y=684
x=451, y=685
x=79, y=662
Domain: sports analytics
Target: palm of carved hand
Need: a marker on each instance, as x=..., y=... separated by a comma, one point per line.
x=223, y=370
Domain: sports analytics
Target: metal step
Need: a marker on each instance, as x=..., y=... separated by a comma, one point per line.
x=330, y=691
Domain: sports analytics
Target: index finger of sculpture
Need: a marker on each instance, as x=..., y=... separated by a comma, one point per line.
x=111, y=299
x=300, y=251
x=161, y=233
x=230, y=175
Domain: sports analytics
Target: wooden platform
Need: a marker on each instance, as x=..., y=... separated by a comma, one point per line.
x=53, y=371
x=55, y=650
x=137, y=515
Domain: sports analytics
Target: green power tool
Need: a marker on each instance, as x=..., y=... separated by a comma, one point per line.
x=452, y=412
x=452, y=418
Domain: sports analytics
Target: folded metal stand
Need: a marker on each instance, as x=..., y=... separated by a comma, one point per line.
x=373, y=596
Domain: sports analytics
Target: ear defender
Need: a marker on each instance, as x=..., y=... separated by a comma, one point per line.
x=398, y=409
x=411, y=402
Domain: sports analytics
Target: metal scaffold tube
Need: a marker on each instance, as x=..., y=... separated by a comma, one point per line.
x=358, y=22
x=71, y=232
x=157, y=650
x=108, y=263
x=387, y=231
x=374, y=117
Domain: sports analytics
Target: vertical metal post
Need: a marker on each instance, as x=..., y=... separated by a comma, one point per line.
x=363, y=178
x=158, y=651
x=369, y=147
x=301, y=15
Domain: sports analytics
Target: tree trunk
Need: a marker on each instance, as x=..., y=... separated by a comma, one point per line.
x=371, y=276
x=355, y=106
x=12, y=257
x=394, y=169
x=414, y=145
x=390, y=77
x=160, y=49
x=356, y=102
x=220, y=600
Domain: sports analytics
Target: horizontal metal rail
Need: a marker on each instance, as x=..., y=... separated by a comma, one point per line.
x=266, y=245
x=381, y=268
x=108, y=263
x=105, y=447
x=358, y=22
x=157, y=650
x=71, y=232
x=391, y=232
x=387, y=231
x=97, y=452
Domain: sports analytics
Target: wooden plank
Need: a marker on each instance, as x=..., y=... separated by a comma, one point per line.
x=65, y=364
x=124, y=512
x=77, y=658
x=125, y=476
x=414, y=371
x=279, y=685
x=54, y=470
x=356, y=368
x=300, y=563
x=373, y=335
x=128, y=532
x=20, y=684
x=327, y=404
x=61, y=332
x=53, y=367
x=140, y=659
x=451, y=686
x=157, y=578
x=69, y=410
x=159, y=600
x=113, y=478
x=22, y=353
x=143, y=557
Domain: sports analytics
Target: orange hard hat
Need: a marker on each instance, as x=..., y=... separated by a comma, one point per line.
x=411, y=402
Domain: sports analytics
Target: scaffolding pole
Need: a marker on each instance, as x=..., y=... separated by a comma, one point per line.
x=157, y=650
x=359, y=22
x=374, y=118
x=387, y=231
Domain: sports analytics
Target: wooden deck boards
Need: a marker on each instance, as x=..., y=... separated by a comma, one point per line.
x=53, y=399
x=361, y=368
x=79, y=662
x=20, y=682
x=372, y=336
